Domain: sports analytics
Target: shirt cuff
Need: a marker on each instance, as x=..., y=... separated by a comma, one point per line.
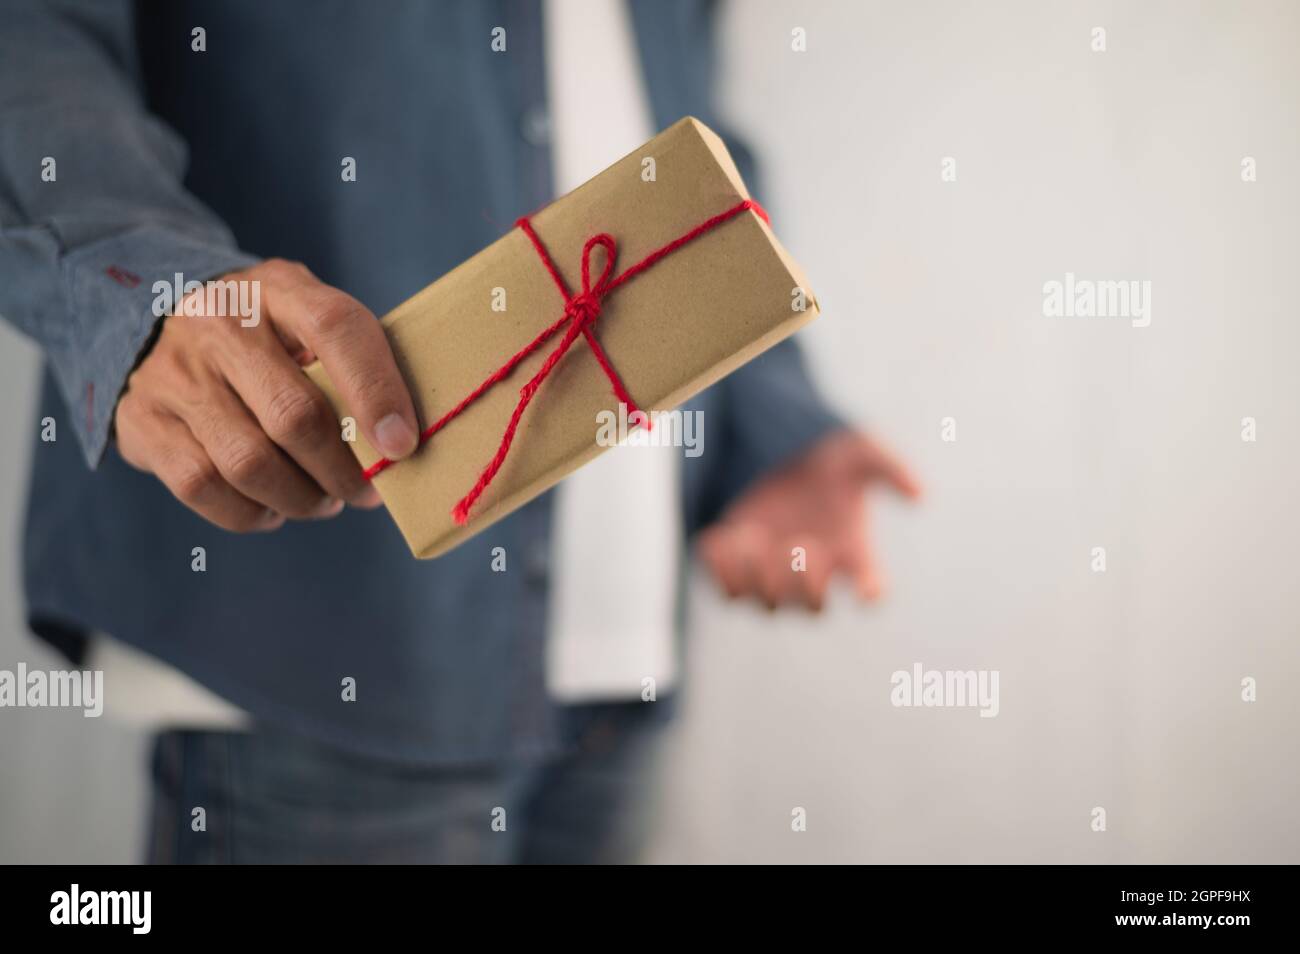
x=112, y=295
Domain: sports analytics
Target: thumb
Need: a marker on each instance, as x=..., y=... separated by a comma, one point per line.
x=872, y=461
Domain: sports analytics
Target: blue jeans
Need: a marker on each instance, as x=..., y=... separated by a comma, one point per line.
x=271, y=798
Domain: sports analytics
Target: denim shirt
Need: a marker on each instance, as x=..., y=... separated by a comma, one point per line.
x=173, y=159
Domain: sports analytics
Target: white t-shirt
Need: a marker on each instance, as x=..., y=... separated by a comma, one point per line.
x=617, y=525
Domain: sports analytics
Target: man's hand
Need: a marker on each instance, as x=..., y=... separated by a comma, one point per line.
x=224, y=416
x=818, y=503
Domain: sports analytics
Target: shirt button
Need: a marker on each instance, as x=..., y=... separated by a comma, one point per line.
x=535, y=126
x=537, y=567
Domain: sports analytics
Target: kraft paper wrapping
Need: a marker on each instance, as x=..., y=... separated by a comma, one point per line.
x=693, y=318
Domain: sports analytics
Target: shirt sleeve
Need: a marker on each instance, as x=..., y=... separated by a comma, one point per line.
x=93, y=212
x=774, y=410
x=773, y=414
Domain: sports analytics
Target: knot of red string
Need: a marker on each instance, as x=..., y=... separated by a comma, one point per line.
x=581, y=311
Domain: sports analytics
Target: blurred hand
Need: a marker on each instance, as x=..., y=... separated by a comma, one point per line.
x=222, y=414
x=817, y=502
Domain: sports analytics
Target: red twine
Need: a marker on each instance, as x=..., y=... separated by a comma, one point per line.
x=580, y=313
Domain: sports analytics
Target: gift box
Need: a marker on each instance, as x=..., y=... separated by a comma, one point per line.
x=643, y=286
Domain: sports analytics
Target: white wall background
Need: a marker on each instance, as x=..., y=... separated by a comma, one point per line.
x=72, y=789
x=1119, y=690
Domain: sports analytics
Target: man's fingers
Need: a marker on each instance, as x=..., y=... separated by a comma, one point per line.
x=815, y=579
x=747, y=562
x=775, y=578
x=295, y=415
x=874, y=461
x=903, y=480
x=727, y=561
x=355, y=352
x=254, y=466
x=865, y=572
x=161, y=443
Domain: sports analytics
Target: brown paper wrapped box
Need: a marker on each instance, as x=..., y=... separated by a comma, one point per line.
x=670, y=332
